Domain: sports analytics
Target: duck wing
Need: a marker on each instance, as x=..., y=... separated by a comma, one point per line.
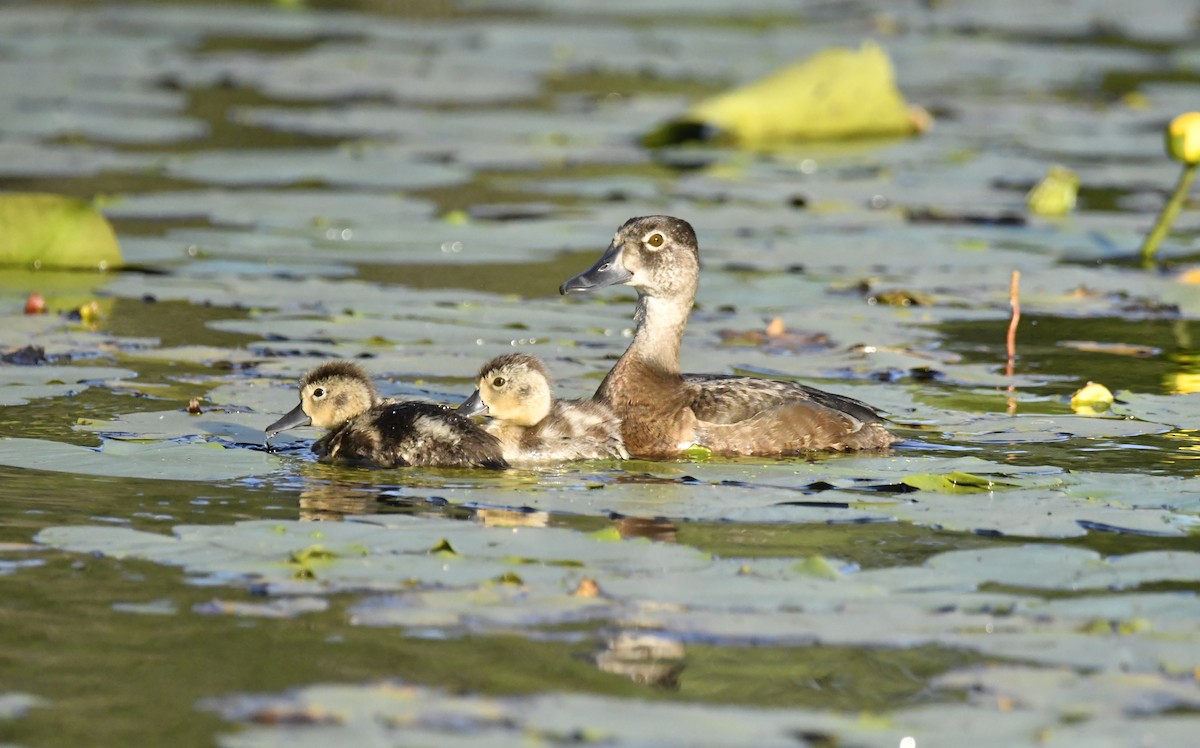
x=790, y=428
x=731, y=399
x=413, y=433
x=576, y=430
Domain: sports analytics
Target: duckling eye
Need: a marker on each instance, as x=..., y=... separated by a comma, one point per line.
x=499, y=382
x=655, y=240
x=318, y=392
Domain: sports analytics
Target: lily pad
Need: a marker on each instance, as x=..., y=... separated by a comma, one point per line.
x=41, y=230
x=20, y=384
x=164, y=460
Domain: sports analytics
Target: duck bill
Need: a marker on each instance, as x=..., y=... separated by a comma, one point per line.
x=473, y=406
x=295, y=419
x=608, y=271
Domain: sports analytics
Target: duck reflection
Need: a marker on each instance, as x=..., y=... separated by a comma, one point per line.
x=653, y=528
x=332, y=501
x=644, y=657
x=323, y=498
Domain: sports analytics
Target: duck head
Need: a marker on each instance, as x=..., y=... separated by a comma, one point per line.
x=330, y=395
x=513, y=388
x=657, y=255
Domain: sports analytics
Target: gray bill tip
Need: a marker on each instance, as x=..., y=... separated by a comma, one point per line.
x=473, y=406
x=608, y=271
x=293, y=420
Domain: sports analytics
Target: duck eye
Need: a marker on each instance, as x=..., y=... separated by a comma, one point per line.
x=319, y=392
x=499, y=382
x=655, y=240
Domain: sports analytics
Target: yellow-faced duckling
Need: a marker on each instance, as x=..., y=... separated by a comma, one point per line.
x=663, y=411
x=532, y=426
x=365, y=430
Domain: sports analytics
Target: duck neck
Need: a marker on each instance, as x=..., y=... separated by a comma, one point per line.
x=660, y=326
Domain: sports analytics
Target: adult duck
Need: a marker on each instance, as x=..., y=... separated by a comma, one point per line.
x=531, y=424
x=664, y=412
x=367, y=430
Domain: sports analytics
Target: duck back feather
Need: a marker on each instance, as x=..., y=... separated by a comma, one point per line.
x=574, y=430
x=412, y=433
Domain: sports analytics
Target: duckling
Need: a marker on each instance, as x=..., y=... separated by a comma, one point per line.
x=366, y=430
x=514, y=389
x=663, y=411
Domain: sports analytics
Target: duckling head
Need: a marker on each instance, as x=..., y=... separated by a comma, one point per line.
x=513, y=388
x=657, y=255
x=330, y=395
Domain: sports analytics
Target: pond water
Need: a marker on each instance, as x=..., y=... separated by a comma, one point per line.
x=407, y=185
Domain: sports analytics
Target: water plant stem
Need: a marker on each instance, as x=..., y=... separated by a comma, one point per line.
x=1167, y=217
x=1014, y=300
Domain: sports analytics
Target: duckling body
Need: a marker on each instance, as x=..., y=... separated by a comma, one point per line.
x=366, y=430
x=664, y=411
x=532, y=425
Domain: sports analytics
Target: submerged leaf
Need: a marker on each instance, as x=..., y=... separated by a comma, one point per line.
x=955, y=482
x=51, y=231
x=817, y=566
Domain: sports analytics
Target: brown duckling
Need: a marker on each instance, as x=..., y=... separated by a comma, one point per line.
x=366, y=430
x=662, y=411
x=514, y=389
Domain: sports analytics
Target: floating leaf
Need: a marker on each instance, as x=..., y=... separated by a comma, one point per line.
x=955, y=482
x=284, y=607
x=443, y=548
x=165, y=461
x=837, y=93
x=15, y=704
x=51, y=231
x=1055, y=194
x=1091, y=399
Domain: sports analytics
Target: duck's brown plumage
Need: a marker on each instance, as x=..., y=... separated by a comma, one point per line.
x=663, y=411
x=365, y=430
x=514, y=389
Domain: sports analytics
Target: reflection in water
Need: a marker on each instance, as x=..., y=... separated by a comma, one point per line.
x=1186, y=378
x=512, y=518
x=1190, y=448
x=644, y=657
x=326, y=498
x=663, y=530
x=332, y=501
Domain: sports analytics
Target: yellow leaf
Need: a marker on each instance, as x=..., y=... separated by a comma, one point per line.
x=1055, y=195
x=1091, y=399
x=51, y=231
x=837, y=93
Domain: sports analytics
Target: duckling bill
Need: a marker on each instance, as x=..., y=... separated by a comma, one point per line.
x=531, y=424
x=366, y=430
x=663, y=411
